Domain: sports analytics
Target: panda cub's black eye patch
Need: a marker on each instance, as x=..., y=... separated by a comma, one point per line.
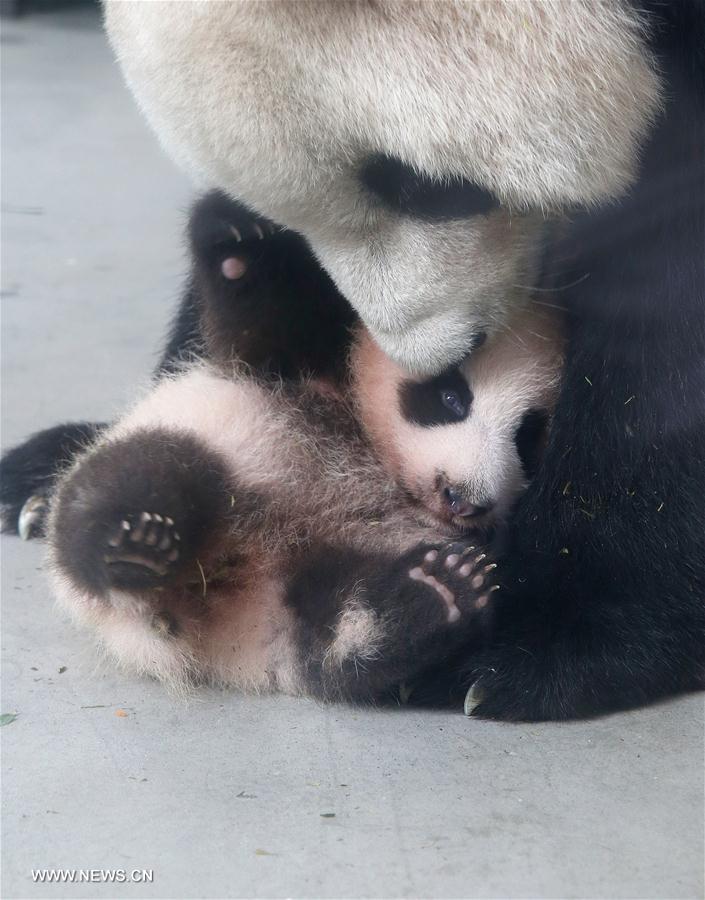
x=413, y=193
x=439, y=401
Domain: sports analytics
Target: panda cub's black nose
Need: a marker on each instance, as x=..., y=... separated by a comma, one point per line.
x=461, y=506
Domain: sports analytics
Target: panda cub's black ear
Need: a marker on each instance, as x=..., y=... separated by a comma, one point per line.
x=442, y=400
x=530, y=439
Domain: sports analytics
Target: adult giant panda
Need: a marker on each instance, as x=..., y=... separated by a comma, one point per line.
x=420, y=149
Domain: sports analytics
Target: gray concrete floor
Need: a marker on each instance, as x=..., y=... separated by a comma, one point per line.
x=226, y=796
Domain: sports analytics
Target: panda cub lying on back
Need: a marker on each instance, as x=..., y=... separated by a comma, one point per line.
x=324, y=532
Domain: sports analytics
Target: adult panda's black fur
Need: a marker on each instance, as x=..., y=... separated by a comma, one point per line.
x=604, y=578
x=605, y=604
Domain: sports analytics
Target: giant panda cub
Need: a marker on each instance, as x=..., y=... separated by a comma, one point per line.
x=323, y=532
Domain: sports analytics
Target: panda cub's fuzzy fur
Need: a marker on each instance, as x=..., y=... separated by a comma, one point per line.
x=321, y=535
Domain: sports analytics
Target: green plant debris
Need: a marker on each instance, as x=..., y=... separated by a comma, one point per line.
x=327, y=815
x=564, y=551
x=260, y=852
x=62, y=669
x=8, y=718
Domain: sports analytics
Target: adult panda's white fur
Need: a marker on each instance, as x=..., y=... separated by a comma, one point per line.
x=281, y=103
x=294, y=474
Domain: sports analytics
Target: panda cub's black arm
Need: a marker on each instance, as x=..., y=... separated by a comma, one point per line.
x=368, y=626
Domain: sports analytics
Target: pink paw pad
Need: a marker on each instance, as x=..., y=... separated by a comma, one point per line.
x=233, y=268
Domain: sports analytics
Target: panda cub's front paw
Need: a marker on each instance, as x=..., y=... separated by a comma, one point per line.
x=141, y=548
x=460, y=574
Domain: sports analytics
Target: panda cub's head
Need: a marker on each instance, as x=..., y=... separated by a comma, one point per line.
x=464, y=443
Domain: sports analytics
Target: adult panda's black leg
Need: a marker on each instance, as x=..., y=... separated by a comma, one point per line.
x=367, y=625
x=28, y=474
x=261, y=297
x=138, y=513
x=603, y=600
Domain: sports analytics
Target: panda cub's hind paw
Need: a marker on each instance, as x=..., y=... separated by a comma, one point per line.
x=250, y=228
x=224, y=234
x=142, y=548
x=136, y=512
x=239, y=237
x=459, y=573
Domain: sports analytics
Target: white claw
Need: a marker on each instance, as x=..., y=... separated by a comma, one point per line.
x=30, y=515
x=473, y=698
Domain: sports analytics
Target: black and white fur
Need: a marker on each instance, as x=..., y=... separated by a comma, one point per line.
x=602, y=604
x=296, y=534
x=419, y=147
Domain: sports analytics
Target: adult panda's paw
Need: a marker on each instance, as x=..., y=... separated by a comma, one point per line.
x=459, y=573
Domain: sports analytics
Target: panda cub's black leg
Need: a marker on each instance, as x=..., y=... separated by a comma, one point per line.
x=137, y=512
x=368, y=624
x=28, y=474
x=261, y=296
